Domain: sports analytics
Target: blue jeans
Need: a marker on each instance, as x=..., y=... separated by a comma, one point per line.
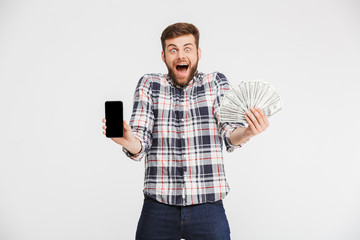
x=203, y=221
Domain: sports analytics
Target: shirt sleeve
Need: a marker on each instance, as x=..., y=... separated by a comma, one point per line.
x=226, y=128
x=142, y=117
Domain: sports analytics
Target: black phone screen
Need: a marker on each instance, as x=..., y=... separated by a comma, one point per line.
x=114, y=119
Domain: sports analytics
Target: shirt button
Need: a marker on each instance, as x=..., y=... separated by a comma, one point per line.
x=182, y=119
x=185, y=178
x=183, y=135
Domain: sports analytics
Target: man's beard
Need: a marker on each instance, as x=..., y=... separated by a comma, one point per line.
x=191, y=75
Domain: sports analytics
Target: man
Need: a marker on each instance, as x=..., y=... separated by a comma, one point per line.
x=175, y=126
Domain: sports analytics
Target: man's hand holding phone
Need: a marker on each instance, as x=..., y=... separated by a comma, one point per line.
x=117, y=129
x=128, y=141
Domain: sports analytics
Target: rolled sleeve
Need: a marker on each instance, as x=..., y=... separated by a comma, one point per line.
x=228, y=128
x=222, y=86
x=142, y=118
x=138, y=156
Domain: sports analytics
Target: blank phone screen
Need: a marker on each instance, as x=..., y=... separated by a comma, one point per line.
x=114, y=118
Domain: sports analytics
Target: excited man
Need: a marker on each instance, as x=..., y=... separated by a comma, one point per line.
x=175, y=126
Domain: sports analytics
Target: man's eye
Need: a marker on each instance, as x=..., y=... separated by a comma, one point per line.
x=173, y=50
x=187, y=49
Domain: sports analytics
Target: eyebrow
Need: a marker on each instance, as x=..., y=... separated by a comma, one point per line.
x=173, y=45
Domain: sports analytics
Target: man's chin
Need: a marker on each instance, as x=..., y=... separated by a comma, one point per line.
x=182, y=81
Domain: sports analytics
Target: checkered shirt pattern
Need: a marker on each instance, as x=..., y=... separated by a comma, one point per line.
x=181, y=138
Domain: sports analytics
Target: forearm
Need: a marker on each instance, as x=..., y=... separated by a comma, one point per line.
x=239, y=136
x=134, y=147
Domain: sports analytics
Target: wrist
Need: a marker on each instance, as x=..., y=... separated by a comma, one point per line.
x=134, y=146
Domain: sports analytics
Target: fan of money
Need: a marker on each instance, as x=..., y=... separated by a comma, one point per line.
x=240, y=98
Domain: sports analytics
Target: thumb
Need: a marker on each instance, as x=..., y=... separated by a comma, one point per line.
x=126, y=126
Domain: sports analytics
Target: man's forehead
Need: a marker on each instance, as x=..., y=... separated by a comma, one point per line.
x=181, y=40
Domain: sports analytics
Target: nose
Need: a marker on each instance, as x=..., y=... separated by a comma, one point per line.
x=180, y=54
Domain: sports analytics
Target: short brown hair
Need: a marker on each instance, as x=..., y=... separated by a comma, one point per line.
x=179, y=29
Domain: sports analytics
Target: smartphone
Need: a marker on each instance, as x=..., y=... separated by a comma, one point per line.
x=114, y=119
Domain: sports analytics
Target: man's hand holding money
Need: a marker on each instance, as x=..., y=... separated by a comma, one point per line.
x=257, y=123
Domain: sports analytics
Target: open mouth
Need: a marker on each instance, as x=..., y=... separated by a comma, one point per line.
x=182, y=68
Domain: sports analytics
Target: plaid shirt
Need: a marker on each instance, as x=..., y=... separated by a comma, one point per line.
x=181, y=138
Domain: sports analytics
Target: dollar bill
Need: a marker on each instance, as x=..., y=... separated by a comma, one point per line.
x=241, y=97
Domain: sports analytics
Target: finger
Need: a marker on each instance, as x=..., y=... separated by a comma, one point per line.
x=252, y=127
x=126, y=126
x=264, y=117
x=253, y=119
x=104, y=127
x=265, y=123
x=104, y=132
x=104, y=120
x=259, y=118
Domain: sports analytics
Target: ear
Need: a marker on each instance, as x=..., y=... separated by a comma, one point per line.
x=162, y=56
x=199, y=53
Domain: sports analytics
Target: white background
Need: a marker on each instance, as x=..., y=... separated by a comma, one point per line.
x=60, y=178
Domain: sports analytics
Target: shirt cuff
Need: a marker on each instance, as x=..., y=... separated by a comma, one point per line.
x=229, y=146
